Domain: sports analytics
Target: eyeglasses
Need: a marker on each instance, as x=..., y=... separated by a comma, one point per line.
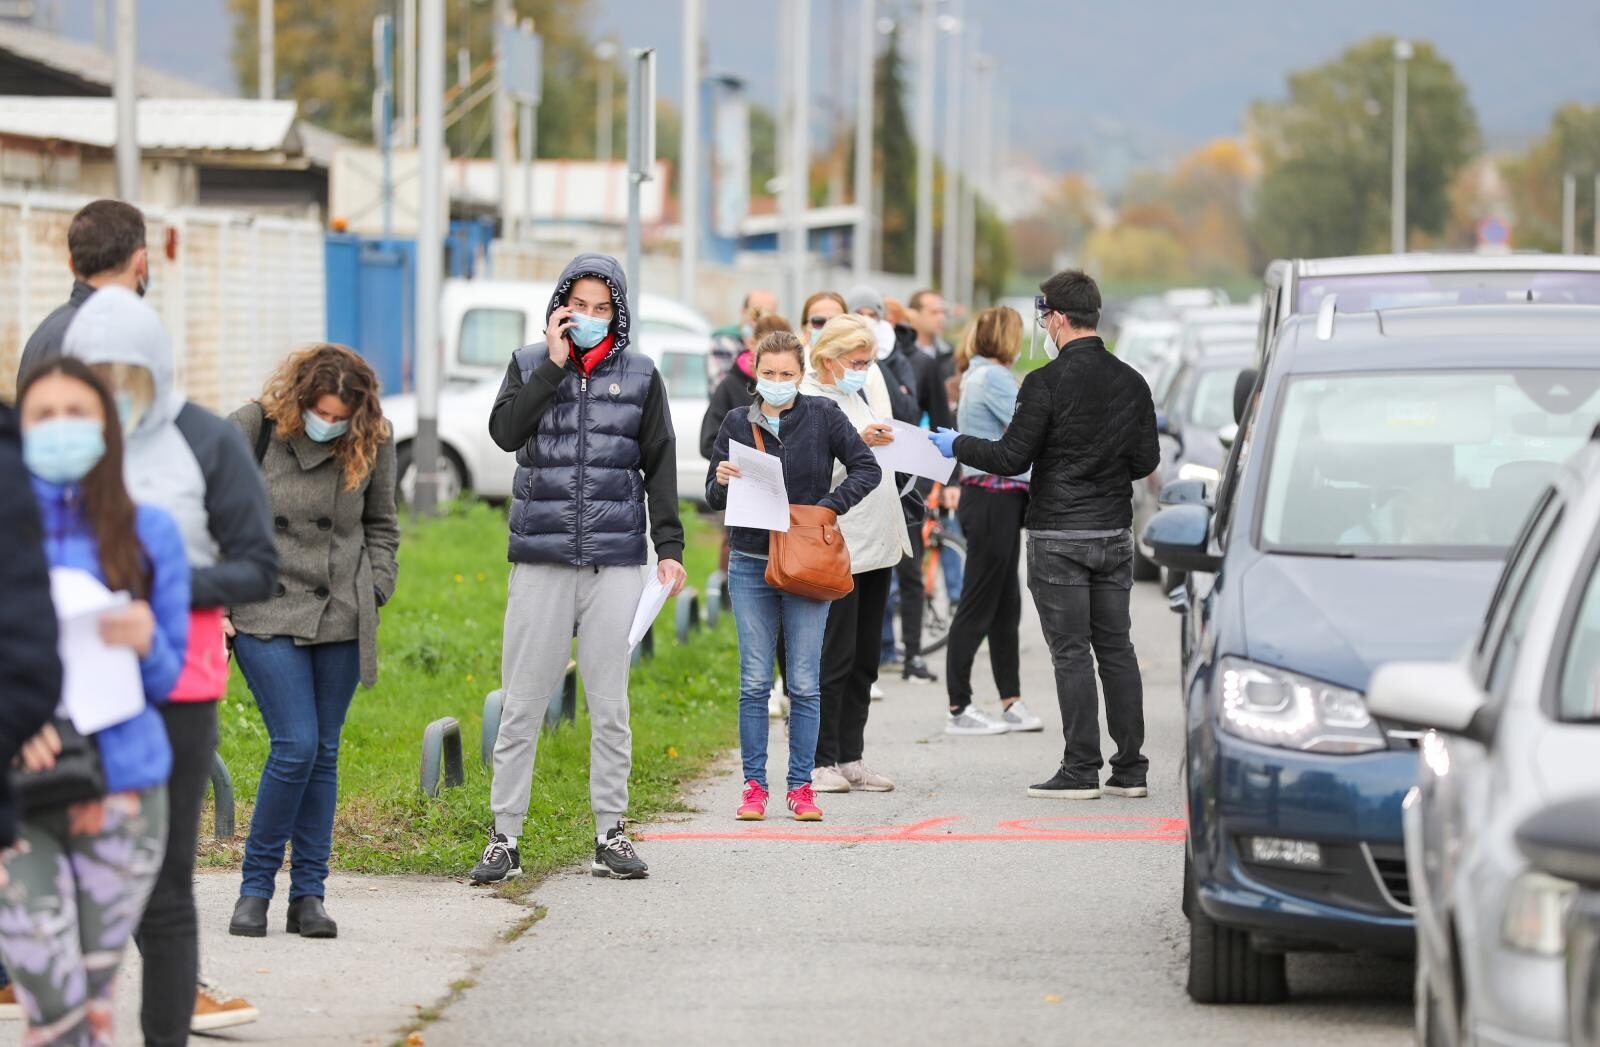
x=817, y=323
x=859, y=365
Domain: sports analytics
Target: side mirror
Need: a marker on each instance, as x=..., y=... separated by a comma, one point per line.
x=1179, y=537
x=1164, y=427
x=1244, y=387
x=1438, y=695
x=1227, y=435
x=1563, y=840
x=1183, y=492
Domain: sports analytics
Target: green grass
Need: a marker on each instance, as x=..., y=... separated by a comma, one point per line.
x=439, y=655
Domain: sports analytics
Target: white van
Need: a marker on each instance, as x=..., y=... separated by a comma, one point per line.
x=484, y=322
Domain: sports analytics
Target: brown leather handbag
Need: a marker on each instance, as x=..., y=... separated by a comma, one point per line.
x=810, y=559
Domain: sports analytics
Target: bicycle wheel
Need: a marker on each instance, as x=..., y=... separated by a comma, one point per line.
x=938, y=610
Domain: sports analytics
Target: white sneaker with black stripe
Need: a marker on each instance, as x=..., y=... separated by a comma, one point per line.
x=617, y=859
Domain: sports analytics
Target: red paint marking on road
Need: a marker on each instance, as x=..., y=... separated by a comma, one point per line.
x=1025, y=830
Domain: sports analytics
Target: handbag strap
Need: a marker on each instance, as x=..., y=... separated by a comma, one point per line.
x=755, y=431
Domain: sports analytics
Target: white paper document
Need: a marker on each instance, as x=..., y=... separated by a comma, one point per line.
x=651, y=601
x=100, y=685
x=757, y=497
x=912, y=452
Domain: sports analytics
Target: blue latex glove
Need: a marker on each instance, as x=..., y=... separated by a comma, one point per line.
x=945, y=441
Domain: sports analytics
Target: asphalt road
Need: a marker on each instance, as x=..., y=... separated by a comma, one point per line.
x=954, y=910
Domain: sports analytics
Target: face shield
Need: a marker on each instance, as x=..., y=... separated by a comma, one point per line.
x=132, y=388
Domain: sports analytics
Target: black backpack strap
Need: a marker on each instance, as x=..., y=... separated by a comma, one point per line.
x=263, y=438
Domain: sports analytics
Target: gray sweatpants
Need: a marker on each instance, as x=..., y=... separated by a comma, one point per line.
x=546, y=606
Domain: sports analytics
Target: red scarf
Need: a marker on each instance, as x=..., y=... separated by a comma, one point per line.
x=588, y=359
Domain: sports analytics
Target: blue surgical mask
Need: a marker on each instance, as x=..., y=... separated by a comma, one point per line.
x=747, y=331
x=322, y=431
x=852, y=382
x=778, y=394
x=63, y=450
x=128, y=412
x=588, y=331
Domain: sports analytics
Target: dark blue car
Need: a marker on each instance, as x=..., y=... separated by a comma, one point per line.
x=1384, y=463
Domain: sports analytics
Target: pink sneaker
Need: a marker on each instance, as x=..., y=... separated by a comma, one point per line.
x=803, y=802
x=754, y=807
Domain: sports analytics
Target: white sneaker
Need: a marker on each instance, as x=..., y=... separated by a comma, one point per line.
x=1018, y=718
x=875, y=693
x=973, y=720
x=829, y=780
x=864, y=778
x=777, y=702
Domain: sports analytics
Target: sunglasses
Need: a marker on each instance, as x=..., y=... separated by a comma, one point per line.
x=817, y=323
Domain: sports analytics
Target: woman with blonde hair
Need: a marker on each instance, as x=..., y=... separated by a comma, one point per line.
x=328, y=459
x=842, y=354
x=990, y=511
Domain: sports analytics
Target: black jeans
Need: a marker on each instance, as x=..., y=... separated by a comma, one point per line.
x=909, y=571
x=169, y=934
x=991, y=597
x=850, y=668
x=1081, y=587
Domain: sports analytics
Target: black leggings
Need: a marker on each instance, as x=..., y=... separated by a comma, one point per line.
x=850, y=667
x=991, y=598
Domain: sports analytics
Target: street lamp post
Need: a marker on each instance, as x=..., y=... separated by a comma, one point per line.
x=689, y=154
x=955, y=54
x=265, y=56
x=1397, y=186
x=925, y=144
x=430, y=248
x=605, y=53
x=125, y=89
x=866, y=38
x=1569, y=214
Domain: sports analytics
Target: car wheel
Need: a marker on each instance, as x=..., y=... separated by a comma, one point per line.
x=1223, y=966
x=453, y=480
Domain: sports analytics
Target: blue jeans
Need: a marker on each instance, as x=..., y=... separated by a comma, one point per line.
x=950, y=565
x=303, y=693
x=758, y=610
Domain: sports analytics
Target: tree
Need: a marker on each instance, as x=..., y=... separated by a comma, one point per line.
x=1326, y=151
x=1066, y=216
x=324, y=62
x=1136, y=253
x=896, y=162
x=1572, y=145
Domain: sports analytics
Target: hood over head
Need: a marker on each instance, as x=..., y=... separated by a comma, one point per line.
x=601, y=267
x=116, y=326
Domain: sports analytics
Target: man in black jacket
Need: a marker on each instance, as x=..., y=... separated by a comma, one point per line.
x=1086, y=424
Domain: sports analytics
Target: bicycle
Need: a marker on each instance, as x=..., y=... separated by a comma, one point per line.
x=939, y=611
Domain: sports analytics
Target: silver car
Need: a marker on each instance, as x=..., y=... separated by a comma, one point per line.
x=1507, y=730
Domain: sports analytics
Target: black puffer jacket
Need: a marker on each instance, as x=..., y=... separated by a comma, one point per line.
x=1086, y=424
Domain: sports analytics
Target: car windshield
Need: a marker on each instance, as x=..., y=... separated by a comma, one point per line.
x=1358, y=294
x=684, y=375
x=1434, y=464
x=1212, y=406
x=1140, y=351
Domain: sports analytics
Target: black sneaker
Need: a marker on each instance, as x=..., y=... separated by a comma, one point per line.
x=1065, y=787
x=916, y=668
x=1133, y=789
x=500, y=861
x=617, y=859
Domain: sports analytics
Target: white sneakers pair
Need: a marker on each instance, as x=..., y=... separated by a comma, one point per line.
x=850, y=777
x=974, y=721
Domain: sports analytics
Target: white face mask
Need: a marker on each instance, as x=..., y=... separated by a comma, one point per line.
x=1042, y=323
x=885, y=336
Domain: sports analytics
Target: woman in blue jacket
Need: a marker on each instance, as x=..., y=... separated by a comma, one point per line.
x=105, y=851
x=809, y=435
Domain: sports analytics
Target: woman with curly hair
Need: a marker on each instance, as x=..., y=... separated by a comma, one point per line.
x=328, y=459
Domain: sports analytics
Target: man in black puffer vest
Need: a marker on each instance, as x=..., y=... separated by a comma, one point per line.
x=1086, y=424
x=593, y=436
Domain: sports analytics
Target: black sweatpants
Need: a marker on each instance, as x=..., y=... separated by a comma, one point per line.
x=909, y=572
x=169, y=933
x=850, y=667
x=991, y=597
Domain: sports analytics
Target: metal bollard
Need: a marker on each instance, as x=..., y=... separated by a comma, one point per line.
x=646, y=647
x=716, y=596
x=222, y=797
x=688, y=614
x=441, y=755
x=493, y=705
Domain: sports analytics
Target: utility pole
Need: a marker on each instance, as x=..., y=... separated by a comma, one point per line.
x=1595, y=247
x=430, y=248
x=502, y=113
x=641, y=154
x=982, y=89
x=925, y=144
x=383, y=112
x=1569, y=214
x=605, y=53
x=689, y=153
x=954, y=101
x=866, y=40
x=797, y=180
x=124, y=86
x=1397, y=190
x=266, y=56
x=408, y=72
x=530, y=145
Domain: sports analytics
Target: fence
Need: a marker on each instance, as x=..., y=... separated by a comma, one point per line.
x=236, y=291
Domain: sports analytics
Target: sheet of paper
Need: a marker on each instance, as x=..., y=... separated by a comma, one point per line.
x=100, y=686
x=912, y=452
x=651, y=601
x=757, y=497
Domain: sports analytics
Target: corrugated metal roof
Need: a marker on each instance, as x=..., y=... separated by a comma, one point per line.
x=92, y=64
x=216, y=124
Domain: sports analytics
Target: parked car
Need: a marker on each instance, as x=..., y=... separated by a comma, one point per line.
x=1297, y=287
x=1148, y=346
x=1361, y=518
x=1563, y=842
x=1196, y=427
x=1513, y=726
x=1202, y=329
x=484, y=322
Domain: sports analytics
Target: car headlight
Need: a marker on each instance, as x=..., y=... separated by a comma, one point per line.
x=1274, y=707
x=1195, y=471
x=1536, y=914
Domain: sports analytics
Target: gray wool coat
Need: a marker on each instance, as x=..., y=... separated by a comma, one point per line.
x=336, y=547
